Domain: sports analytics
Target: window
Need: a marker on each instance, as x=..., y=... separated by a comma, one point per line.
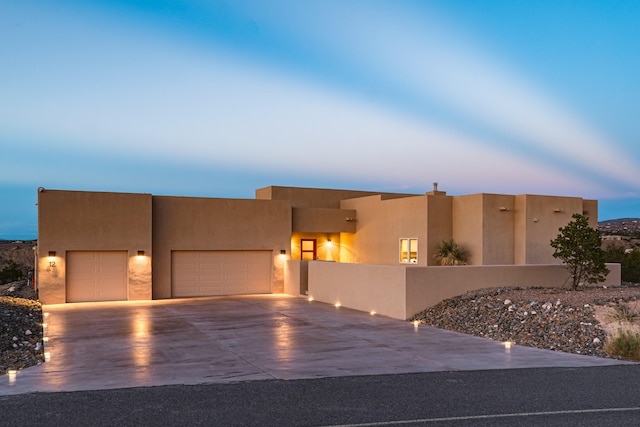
x=409, y=251
x=308, y=249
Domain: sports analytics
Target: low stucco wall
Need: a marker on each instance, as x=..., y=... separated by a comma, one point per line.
x=365, y=287
x=295, y=277
x=402, y=291
x=428, y=286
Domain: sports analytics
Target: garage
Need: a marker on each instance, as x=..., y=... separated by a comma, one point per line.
x=210, y=273
x=96, y=276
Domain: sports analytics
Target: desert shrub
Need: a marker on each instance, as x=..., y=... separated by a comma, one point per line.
x=626, y=345
x=630, y=267
x=11, y=272
x=449, y=252
x=624, y=313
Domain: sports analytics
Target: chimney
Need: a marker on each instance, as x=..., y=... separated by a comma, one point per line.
x=435, y=191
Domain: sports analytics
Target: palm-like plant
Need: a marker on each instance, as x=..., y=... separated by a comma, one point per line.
x=449, y=252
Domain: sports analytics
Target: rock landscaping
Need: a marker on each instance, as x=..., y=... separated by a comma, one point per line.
x=20, y=327
x=552, y=319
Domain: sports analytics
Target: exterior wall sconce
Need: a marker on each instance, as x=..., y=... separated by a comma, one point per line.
x=503, y=208
x=140, y=253
x=283, y=251
x=52, y=253
x=557, y=210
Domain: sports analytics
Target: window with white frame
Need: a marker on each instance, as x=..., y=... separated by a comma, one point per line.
x=409, y=251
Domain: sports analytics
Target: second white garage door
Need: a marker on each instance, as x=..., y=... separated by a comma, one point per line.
x=210, y=273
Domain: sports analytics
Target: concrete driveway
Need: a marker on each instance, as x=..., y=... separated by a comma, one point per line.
x=95, y=346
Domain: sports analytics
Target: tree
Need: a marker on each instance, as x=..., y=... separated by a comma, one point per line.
x=449, y=252
x=580, y=247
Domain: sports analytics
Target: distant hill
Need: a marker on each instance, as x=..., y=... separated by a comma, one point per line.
x=622, y=226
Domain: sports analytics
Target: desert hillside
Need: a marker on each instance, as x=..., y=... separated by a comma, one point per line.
x=20, y=252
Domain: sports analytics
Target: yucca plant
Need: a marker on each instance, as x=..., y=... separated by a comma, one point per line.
x=449, y=252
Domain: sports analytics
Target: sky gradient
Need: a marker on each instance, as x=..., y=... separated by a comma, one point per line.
x=216, y=99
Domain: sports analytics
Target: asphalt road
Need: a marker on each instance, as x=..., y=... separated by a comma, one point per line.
x=599, y=396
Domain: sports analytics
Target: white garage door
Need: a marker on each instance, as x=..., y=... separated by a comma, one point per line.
x=96, y=276
x=208, y=273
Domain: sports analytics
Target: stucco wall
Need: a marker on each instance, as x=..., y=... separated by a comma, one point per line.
x=380, y=226
x=498, y=229
x=544, y=215
x=439, y=223
x=92, y=221
x=402, y=291
x=191, y=223
x=379, y=288
x=467, y=225
x=316, y=220
x=316, y=197
x=296, y=277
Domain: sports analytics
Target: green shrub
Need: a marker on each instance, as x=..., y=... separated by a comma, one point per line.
x=11, y=272
x=614, y=253
x=630, y=267
x=626, y=345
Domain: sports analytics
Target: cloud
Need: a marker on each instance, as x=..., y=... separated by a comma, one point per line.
x=143, y=94
x=417, y=51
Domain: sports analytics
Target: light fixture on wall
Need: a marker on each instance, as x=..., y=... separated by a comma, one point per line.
x=283, y=251
x=557, y=210
x=140, y=252
x=52, y=253
x=503, y=208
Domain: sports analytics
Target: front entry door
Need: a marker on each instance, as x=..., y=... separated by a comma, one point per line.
x=308, y=249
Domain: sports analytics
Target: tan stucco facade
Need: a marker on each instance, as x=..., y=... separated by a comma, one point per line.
x=357, y=227
x=88, y=221
x=189, y=223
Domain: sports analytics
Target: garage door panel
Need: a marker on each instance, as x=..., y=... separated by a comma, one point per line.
x=209, y=273
x=96, y=276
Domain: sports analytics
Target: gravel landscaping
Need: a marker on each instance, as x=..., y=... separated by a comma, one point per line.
x=553, y=319
x=20, y=327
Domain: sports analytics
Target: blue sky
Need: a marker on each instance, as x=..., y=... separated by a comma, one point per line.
x=210, y=98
